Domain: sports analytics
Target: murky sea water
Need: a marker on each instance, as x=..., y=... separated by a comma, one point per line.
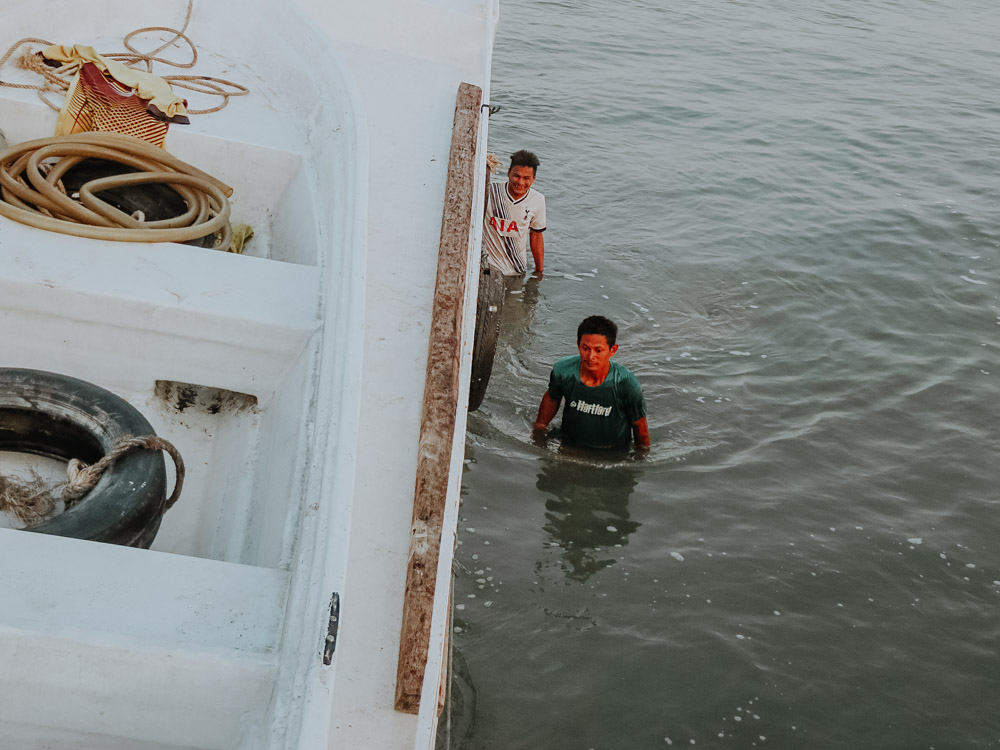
x=792, y=209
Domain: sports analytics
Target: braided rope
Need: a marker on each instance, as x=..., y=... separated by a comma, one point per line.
x=84, y=477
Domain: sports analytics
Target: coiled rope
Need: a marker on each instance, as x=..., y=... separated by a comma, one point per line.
x=32, y=191
x=58, y=79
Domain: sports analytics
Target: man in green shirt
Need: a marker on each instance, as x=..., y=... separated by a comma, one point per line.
x=604, y=403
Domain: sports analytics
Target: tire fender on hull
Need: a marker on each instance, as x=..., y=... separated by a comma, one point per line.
x=489, y=306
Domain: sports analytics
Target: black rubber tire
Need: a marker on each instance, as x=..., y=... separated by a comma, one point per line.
x=62, y=418
x=489, y=307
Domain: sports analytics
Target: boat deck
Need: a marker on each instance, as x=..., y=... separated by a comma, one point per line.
x=206, y=612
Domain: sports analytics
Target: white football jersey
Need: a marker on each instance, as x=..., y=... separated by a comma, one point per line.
x=508, y=223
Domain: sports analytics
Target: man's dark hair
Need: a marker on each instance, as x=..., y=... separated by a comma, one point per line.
x=600, y=326
x=524, y=158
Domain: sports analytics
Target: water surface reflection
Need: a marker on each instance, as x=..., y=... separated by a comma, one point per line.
x=586, y=512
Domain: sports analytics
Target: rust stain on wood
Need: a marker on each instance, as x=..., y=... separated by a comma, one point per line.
x=437, y=428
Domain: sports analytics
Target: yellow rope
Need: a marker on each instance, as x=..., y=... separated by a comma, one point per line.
x=32, y=191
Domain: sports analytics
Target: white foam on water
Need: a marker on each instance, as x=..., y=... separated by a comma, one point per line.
x=972, y=281
x=915, y=540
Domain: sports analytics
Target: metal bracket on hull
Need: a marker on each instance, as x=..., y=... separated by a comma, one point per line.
x=331, y=631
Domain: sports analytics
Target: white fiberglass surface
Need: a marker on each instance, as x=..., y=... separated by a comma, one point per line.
x=244, y=463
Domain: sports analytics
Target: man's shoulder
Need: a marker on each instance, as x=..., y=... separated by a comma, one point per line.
x=567, y=366
x=535, y=196
x=622, y=373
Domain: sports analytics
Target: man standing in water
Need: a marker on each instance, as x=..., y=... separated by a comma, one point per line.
x=604, y=403
x=515, y=218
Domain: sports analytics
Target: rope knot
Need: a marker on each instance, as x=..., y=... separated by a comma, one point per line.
x=83, y=477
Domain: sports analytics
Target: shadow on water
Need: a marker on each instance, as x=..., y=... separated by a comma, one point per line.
x=519, y=311
x=586, y=512
x=457, y=721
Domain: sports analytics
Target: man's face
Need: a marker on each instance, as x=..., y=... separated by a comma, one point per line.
x=519, y=179
x=595, y=354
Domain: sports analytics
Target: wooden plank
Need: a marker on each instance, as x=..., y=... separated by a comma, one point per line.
x=437, y=427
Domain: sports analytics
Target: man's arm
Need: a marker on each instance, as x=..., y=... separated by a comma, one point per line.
x=547, y=411
x=537, y=241
x=640, y=431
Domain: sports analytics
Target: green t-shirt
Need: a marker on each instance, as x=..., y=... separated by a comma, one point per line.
x=599, y=416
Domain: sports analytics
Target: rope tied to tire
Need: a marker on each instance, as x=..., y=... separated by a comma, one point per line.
x=84, y=477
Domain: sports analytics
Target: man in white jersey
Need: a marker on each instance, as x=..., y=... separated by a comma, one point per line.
x=515, y=218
